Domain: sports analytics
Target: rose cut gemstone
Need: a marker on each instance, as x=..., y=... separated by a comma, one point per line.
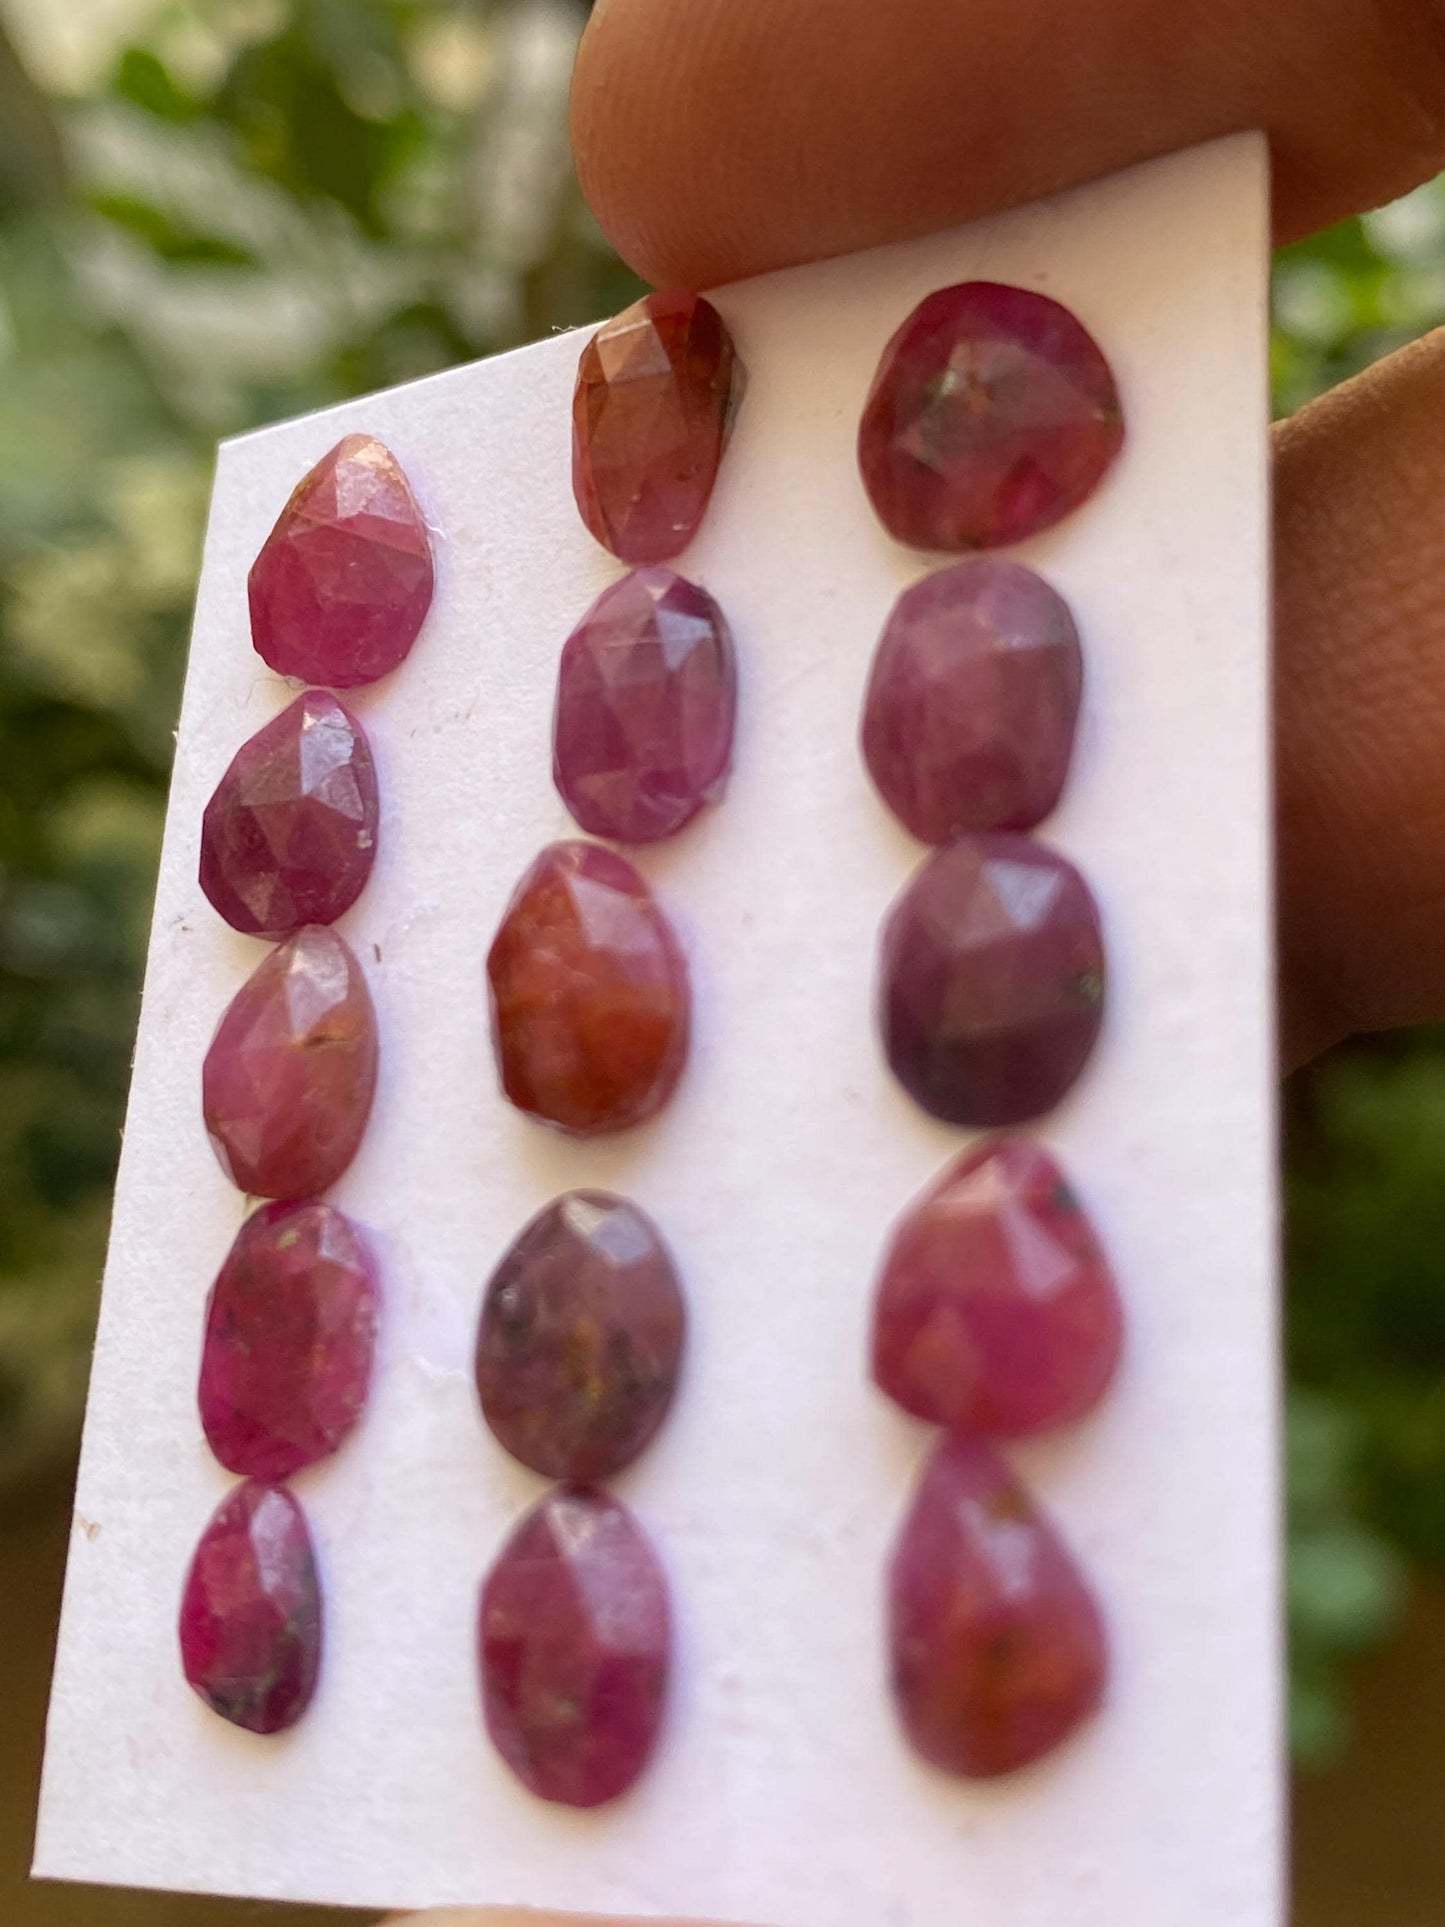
x=581, y=1338
x=251, y=1611
x=646, y=696
x=344, y=580
x=288, y=1081
x=657, y=388
x=968, y=723
x=997, y=1312
x=992, y=415
x=576, y=1641
x=589, y=994
x=998, y=1649
x=992, y=989
x=290, y=835
x=290, y=1333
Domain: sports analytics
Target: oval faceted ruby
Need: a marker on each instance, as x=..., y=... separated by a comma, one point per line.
x=992, y=989
x=992, y=415
x=251, y=1611
x=646, y=697
x=996, y=1310
x=581, y=1338
x=290, y=1333
x=998, y=1649
x=656, y=391
x=344, y=580
x=288, y=1081
x=576, y=1643
x=589, y=993
x=968, y=723
x=290, y=835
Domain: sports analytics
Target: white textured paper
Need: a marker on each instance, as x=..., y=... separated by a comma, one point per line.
x=782, y=1794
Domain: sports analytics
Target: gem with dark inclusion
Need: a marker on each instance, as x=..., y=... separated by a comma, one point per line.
x=251, y=1611
x=992, y=990
x=581, y=1338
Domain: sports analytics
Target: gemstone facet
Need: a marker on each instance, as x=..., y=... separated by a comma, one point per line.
x=968, y=723
x=646, y=698
x=997, y=1312
x=290, y=835
x=589, y=993
x=992, y=989
x=993, y=414
x=288, y=1081
x=290, y=1334
x=576, y=1642
x=251, y=1612
x=998, y=1649
x=344, y=580
x=581, y=1338
x=656, y=392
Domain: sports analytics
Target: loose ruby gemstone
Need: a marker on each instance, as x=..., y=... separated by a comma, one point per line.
x=289, y=1078
x=997, y=1311
x=576, y=1641
x=344, y=580
x=997, y=1646
x=581, y=1338
x=968, y=723
x=656, y=391
x=290, y=835
x=646, y=697
x=290, y=1333
x=992, y=981
x=251, y=1611
x=992, y=415
x=589, y=991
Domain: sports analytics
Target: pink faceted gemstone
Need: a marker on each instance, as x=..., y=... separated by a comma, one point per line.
x=992, y=415
x=290, y=1332
x=344, y=580
x=969, y=719
x=646, y=697
x=251, y=1612
x=998, y=1649
x=290, y=835
x=996, y=1311
x=288, y=1081
x=576, y=1641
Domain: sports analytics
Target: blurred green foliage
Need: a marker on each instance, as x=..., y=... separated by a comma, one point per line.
x=265, y=205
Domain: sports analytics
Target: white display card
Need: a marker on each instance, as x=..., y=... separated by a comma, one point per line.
x=782, y=1793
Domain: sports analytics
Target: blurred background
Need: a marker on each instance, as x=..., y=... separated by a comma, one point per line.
x=215, y=213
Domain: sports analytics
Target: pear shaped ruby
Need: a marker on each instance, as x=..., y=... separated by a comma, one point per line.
x=290, y=835
x=996, y=1311
x=998, y=1649
x=589, y=992
x=288, y=1081
x=251, y=1611
x=344, y=581
x=575, y=1648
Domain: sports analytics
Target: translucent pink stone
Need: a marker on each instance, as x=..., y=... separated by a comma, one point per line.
x=290, y=1332
x=997, y=1646
x=288, y=1081
x=992, y=415
x=344, y=580
x=992, y=989
x=996, y=1310
x=646, y=697
x=251, y=1612
x=581, y=1338
x=656, y=392
x=968, y=723
x=290, y=835
x=575, y=1648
